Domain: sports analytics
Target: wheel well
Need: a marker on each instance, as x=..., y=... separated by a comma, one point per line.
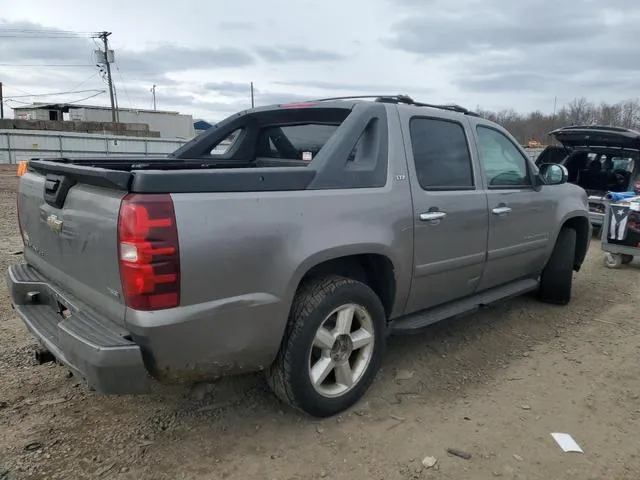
x=581, y=226
x=374, y=270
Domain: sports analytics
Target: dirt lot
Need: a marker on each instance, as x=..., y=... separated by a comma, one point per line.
x=494, y=384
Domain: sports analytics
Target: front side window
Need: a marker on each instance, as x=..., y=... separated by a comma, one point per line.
x=441, y=154
x=503, y=163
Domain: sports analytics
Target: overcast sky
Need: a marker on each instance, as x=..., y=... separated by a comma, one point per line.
x=202, y=55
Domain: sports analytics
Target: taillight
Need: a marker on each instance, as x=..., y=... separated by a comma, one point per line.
x=148, y=251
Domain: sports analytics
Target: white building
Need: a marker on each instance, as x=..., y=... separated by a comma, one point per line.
x=168, y=124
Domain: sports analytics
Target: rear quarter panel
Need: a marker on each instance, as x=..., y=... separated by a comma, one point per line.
x=243, y=256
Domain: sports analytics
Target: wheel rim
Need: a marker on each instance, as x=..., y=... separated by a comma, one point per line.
x=342, y=350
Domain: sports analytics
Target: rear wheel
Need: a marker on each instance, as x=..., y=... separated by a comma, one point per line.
x=557, y=277
x=332, y=348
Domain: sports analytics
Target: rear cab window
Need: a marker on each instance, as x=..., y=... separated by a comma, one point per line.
x=345, y=144
x=294, y=142
x=279, y=136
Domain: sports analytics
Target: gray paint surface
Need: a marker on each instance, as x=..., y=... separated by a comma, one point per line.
x=243, y=255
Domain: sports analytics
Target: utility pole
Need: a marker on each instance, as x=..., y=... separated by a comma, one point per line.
x=104, y=36
x=1, y=102
x=252, y=104
x=153, y=92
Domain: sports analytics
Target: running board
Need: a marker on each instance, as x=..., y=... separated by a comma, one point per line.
x=415, y=322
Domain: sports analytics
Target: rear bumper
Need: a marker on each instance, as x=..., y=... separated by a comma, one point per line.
x=91, y=346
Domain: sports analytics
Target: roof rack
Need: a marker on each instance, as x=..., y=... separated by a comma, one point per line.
x=401, y=98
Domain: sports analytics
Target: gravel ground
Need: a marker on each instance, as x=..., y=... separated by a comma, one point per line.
x=493, y=384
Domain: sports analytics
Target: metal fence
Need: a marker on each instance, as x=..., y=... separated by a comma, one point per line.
x=18, y=145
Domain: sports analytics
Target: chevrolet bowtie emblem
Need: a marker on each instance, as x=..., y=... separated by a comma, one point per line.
x=54, y=223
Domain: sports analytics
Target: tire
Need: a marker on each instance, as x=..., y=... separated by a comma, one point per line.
x=626, y=259
x=557, y=277
x=314, y=307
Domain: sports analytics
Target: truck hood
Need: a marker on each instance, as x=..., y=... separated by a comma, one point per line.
x=597, y=136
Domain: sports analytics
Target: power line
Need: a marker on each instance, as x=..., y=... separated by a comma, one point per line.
x=72, y=101
x=87, y=98
x=126, y=92
x=69, y=92
x=56, y=65
x=94, y=74
x=39, y=33
x=10, y=87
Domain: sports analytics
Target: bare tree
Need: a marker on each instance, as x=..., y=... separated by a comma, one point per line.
x=536, y=125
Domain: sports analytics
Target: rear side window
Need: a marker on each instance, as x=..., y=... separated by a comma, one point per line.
x=295, y=142
x=226, y=143
x=441, y=154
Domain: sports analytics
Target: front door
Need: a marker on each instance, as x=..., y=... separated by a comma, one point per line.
x=520, y=216
x=450, y=212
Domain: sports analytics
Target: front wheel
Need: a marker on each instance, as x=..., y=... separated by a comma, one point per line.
x=332, y=348
x=557, y=277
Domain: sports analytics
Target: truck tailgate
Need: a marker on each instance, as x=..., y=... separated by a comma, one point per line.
x=74, y=243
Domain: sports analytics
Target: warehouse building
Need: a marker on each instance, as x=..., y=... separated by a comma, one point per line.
x=167, y=124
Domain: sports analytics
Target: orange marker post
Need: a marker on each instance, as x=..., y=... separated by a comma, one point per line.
x=22, y=168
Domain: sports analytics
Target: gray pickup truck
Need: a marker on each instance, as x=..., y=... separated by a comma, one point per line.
x=291, y=239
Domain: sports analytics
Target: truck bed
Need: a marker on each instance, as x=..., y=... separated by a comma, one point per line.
x=168, y=175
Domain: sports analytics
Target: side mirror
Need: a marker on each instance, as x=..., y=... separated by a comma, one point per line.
x=553, y=174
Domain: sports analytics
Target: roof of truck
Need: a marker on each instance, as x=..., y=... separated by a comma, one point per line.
x=399, y=99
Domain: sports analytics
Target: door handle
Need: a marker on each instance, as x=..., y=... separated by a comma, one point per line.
x=431, y=216
x=501, y=210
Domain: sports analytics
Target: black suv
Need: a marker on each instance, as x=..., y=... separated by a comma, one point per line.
x=599, y=159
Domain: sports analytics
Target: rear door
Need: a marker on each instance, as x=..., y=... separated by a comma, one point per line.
x=521, y=217
x=450, y=211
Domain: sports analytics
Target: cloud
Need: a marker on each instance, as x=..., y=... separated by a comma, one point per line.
x=475, y=26
x=352, y=88
x=275, y=98
x=52, y=47
x=20, y=45
x=235, y=26
x=297, y=54
x=541, y=47
x=493, y=53
x=168, y=58
x=228, y=88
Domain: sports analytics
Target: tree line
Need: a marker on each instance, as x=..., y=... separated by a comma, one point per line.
x=535, y=126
